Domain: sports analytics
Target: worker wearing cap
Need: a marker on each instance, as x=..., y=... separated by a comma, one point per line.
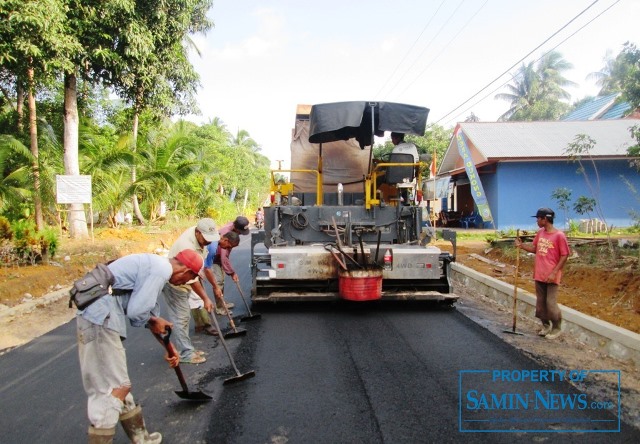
x=222, y=263
x=552, y=250
x=177, y=296
x=101, y=328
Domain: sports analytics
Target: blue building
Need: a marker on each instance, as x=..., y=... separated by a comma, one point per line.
x=521, y=164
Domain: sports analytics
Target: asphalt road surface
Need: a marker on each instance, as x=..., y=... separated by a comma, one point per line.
x=325, y=373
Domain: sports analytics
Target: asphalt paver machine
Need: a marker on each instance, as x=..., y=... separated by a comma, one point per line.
x=346, y=226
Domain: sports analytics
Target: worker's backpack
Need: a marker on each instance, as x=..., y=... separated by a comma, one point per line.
x=91, y=287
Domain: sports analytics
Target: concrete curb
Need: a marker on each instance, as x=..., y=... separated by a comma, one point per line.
x=30, y=306
x=608, y=338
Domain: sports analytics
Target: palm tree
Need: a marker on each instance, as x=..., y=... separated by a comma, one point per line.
x=168, y=157
x=537, y=91
x=14, y=178
x=522, y=90
x=110, y=168
x=603, y=78
x=243, y=139
x=552, y=82
x=620, y=74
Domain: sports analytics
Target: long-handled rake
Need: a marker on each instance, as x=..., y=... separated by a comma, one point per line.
x=239, y=376
x=250, y=316
x=234, y=332
x=515, y=292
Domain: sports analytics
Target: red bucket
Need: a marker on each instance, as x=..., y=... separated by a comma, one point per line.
x=360, y=285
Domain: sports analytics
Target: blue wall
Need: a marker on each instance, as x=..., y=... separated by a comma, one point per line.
x=518, y=189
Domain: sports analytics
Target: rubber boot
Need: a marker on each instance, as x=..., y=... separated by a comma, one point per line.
x=101, y=436
x=133, y=425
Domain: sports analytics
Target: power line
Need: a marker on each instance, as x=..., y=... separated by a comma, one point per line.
x=429, y=44
x=409, y=50
x=445, y=46
x=536, y=60
x=519, y=61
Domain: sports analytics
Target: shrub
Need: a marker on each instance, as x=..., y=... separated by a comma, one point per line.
x=5, y=229
x=33, y=246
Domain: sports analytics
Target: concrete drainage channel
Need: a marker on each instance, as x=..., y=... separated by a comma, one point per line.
x=608, y=338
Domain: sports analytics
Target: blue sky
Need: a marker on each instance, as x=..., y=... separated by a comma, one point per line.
x=263, y=57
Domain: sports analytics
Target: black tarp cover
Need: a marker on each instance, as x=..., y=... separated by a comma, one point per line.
x=345, y=120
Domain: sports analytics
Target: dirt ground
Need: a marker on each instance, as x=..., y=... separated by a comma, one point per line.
x=606, y=293
x=609, y=293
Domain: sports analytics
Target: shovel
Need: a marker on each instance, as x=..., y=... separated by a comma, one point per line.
x=239, y=376
x=235, y=331
x=250, y=316
x=515, y=292
x=329, y=248
x=185, y=393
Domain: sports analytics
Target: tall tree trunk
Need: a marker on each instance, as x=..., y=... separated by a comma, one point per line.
x=20, y=106
x=134, y=198
x=77, y=220
x=35, y=166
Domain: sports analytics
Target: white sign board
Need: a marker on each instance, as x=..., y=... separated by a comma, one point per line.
x=73, y=189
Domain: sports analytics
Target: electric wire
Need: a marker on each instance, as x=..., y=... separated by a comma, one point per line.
x=536, y=60
x=519, y=61
x=410, y=49
x=428, y=45
x=445, y=47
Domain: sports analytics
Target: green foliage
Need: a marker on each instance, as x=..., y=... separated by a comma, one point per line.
x=574, y=227
x=31, y=245
x=491, y=237
x=621, y=74
x=15, y=170
x=509, y=232
x=137, y=50
x=563, y=197
x=6, y=232
x=580, y=151
x=584, y=205
x=630, y=74
x=537, y=91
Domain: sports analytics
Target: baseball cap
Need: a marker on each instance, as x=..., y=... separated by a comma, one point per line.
x=241, y=224
x=190, y=259
x=545, y=212
x=207, y=227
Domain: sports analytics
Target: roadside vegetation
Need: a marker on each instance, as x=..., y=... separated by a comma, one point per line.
x=98, y=89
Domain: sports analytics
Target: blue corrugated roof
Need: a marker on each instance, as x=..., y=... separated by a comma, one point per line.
x=601, y=107
x=617, y=111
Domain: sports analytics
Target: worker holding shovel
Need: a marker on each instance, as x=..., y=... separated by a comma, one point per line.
x=240, y=226
x=198, y=312
x=214, y=269
x=552, y=250
x=101, y=327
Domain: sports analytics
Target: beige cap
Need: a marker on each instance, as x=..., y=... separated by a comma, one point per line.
x=207, y=227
